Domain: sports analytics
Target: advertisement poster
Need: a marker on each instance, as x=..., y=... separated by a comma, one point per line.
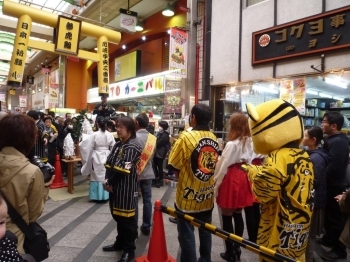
x=2, y=97
x=172, y=98
x=286, y=90
x=23, y=101
x=299, y=94
x=53, y=91
x=178, y=52
x=3, y=106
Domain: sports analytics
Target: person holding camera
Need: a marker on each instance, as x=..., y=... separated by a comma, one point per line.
x=22, y=183
x=103, y=109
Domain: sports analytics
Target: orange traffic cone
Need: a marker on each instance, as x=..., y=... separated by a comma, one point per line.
x=58, y=181
x=157, y=251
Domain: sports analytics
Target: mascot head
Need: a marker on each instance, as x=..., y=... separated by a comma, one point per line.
x=274, y=124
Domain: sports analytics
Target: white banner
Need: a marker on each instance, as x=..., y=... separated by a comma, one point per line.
x=128, y=22
x=178, y=52
x=23, y=101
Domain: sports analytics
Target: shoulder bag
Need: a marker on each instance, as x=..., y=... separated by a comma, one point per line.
x=35, y=242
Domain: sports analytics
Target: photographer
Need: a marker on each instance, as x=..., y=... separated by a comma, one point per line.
x=103, y=109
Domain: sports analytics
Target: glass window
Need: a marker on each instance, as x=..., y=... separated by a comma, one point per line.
x=253, y=2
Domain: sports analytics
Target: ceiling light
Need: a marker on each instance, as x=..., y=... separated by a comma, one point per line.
x=168, y=11
x=337, y=81
x=123, y=46
x=95, y=48
x=169, y=31
x=311, y=92
x=324, y=95
x=139, y=26
x=143, y=38
x=338, y=98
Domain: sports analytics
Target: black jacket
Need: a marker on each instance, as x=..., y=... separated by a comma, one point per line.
x=339, y=151
x=161, y=145
x=320, y=159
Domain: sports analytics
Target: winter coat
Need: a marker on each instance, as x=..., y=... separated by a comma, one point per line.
x=22, y=183
x=320, y=159
x=162, y=143
x=344, y=204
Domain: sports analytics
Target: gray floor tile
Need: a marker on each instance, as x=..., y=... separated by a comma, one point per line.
x=63, y=254
x=76, y=239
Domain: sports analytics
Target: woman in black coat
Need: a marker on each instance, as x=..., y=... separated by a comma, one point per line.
x=162, y=148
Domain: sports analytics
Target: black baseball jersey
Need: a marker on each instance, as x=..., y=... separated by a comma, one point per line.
x=121, y=174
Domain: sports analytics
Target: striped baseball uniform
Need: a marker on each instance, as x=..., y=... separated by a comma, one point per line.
x=194, y=155
x=121, y=174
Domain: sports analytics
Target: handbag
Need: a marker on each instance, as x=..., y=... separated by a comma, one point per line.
x=35, y=242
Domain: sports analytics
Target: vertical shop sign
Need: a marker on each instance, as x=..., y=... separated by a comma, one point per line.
x=19, y=53
x=68, y=35
x=299, y=91
x=178, y=52
x=172, y=98
x=103, y=66
x=23, y=101
x=286, y=90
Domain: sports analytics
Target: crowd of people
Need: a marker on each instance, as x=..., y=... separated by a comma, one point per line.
x=122, y=157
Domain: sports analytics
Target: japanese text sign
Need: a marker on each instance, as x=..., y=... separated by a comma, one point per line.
x=312, y=35
x=68, y=32
x=103, y=66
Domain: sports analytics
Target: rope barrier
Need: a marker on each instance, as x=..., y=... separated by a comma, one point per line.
x=260, y=250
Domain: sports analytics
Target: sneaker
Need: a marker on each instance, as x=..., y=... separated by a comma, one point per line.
x=332, y=256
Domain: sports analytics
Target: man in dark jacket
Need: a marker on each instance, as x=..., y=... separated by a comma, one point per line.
x=332, y=124
x=103, y=109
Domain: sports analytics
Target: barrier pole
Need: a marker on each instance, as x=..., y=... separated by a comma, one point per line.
x=260, y=250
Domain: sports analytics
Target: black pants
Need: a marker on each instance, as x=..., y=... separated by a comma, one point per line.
x=252, y=220
x=334, y=220
x=126, y=228
x=158, y=167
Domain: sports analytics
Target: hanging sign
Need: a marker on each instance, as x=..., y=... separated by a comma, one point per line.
x=128, y=19
x=30, y=80
x=312, y=35
x=68, y=35
x=22, y=101
x=178, y=52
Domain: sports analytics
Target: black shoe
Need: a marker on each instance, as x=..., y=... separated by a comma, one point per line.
x=228, y=257
x=238, y=252
x=160, y=183
x=173, y=220
x=145, y=231
x=332, y=256
x=324, y=242
x=126, y=257
x=112, y=248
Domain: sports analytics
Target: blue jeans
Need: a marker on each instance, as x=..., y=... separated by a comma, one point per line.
x=146, y=191
x=187, y=241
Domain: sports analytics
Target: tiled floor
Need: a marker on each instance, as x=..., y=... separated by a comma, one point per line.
x=78, y=229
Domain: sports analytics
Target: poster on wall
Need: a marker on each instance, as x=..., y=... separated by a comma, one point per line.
x=172, y=98
x=178, y=52
x=2, y=97
x=3, y=106
x=299, y=93
x=53, y=90
x=286, y=90
x=23, y=101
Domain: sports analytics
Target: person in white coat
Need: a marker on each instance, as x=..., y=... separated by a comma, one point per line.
x=94, y=151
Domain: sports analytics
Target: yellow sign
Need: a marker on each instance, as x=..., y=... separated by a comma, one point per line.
x=127, y=66
x=68, y=35
x=19, y=53
x=12, y=92
x=103, y=66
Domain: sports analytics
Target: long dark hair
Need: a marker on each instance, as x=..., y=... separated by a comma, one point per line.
x=101, y=121
x=316, y=132
x=129, y=123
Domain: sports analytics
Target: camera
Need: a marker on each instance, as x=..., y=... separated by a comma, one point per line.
x=46, y=168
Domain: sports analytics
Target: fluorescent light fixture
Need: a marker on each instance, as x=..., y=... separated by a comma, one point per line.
x=337, y=81
x=324, y=95
x=338, y=98
x=168, y=11
x=311, y=92
x=169, y=31
x=95, y=48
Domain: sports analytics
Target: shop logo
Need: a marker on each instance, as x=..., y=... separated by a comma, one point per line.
x=264, y=40
x=204, y=158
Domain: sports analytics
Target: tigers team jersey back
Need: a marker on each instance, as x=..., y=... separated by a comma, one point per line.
x=195, y=155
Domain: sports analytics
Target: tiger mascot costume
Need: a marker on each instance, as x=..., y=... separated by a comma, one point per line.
x=284, y=184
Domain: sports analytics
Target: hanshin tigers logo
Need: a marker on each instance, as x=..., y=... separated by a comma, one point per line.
x=204, y=158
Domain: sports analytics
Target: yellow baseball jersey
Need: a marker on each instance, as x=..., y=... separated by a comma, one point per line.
x=284, y=187
x=194, y=155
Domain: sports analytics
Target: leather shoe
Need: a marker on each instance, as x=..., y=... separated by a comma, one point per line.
x=332, y=256
x=126, y=257
x=323, y=242
x=112, y=248
x=173, y=220
x=145, y=231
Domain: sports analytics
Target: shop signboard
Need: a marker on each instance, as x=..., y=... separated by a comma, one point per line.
x=23, y=101
x=308, y=36
x=172, y=99
x=53, y=96
x=68, y=35
x=178, y=52
x=130, y=89
x=286, y=90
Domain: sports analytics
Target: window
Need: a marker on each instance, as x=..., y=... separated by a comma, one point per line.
x=253, y=2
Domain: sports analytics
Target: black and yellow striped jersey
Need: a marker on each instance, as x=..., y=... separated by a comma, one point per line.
x=194, y=155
